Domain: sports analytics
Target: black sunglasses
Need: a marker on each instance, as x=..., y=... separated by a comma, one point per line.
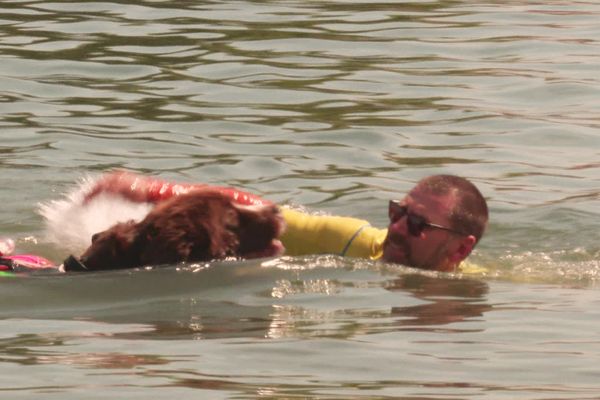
x=416, y=223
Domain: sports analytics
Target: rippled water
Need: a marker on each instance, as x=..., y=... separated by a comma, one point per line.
x=338, y=106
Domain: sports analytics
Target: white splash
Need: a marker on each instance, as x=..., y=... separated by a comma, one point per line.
x=70, y=222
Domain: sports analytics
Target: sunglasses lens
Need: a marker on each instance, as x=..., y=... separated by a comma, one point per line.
x=396, y=211
x=416, y=224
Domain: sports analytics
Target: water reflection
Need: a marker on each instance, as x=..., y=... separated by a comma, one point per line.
x=448, y=301
x=197, y=319
x=247, y=300
x=289, y=313
x=58, y=348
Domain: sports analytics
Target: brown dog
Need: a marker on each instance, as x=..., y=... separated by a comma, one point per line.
x=199, y=226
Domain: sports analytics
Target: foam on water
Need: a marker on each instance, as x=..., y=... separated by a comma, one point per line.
x=70, y=222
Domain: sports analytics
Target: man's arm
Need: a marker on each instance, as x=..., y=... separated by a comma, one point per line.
x=323, y=234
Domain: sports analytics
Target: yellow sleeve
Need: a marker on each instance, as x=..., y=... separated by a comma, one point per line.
x=318, y=234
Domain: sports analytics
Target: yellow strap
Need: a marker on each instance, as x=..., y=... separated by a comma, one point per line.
x=343, y=253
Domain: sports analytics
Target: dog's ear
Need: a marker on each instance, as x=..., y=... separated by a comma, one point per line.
x=198, y=246
x=167, y=245
x=123, y=236
x=127, y=235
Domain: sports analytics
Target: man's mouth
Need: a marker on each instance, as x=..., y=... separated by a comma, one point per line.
x=396, y=250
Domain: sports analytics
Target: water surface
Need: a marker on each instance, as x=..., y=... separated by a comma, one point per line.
x=337, y=106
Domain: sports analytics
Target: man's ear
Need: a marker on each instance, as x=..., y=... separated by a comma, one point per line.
x=463, y=249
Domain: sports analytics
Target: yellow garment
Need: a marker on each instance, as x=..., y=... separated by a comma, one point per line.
x=320, y=234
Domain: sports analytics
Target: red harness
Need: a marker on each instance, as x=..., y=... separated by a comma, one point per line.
x=152, y=190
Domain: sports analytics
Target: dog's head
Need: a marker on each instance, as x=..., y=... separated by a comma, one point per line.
x=112, y=248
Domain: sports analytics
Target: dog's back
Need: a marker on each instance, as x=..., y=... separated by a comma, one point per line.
x=192, y=227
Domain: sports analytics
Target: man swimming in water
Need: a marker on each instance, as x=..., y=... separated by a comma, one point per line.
x=435, y=226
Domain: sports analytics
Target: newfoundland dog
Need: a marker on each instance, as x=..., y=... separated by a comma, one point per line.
x=198, y=226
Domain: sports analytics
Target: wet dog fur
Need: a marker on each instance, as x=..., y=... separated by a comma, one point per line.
x=198, y=226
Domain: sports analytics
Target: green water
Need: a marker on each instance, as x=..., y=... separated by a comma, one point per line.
x=338, y=106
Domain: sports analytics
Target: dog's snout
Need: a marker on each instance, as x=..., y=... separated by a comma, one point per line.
x=74, y=264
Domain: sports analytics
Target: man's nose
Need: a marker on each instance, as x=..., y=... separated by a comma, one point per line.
x=399, y=226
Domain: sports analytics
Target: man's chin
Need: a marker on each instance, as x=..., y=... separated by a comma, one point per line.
x=394, y=254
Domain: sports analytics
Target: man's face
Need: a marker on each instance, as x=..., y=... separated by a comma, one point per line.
x=432, y=247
